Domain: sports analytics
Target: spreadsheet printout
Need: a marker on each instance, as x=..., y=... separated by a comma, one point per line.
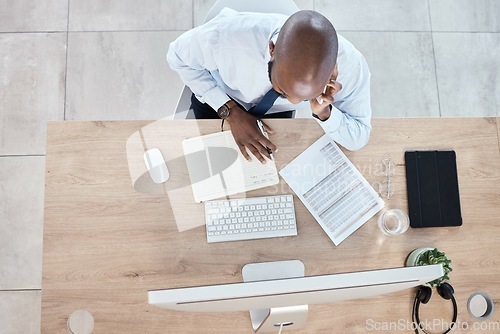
x=332, y=189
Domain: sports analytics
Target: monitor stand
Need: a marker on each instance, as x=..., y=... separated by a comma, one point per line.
x=270, y=320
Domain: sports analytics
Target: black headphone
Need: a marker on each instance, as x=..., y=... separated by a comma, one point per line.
x=423, y=296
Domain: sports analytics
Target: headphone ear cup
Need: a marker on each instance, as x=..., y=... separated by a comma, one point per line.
x=424, y=294
x=445, y=290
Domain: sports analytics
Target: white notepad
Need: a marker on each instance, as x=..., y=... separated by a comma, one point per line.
x=217, y=168
x=332, y=189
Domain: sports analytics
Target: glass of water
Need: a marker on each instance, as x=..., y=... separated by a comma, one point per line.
x=393, y=222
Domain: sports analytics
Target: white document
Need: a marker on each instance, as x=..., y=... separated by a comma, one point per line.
x=332, y=189
x=217, y=168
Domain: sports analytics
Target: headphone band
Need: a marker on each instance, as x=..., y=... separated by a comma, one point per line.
x=415, y=317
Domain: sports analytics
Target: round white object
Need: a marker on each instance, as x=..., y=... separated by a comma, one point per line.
x=81, y=322
x=480, y=305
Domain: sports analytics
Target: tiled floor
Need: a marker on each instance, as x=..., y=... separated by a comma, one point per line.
x=89, y=59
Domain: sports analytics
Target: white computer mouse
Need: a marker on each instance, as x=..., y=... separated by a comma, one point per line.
x=157, y=167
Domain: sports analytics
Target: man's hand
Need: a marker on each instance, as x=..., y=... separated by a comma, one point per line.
x=320, y=105
x=247, y=135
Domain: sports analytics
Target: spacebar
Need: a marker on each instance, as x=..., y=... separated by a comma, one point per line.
x=251, y=236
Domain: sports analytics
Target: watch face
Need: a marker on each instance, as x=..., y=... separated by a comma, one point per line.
x=223, y=112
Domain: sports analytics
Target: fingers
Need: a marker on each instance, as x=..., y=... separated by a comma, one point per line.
x=244, y=152
x=327, y=99
x=258, y=151
x=263, y=152
x=268, y=128
x=335, y=72
x=333, y=87
x=267, y=143
x=321, y=101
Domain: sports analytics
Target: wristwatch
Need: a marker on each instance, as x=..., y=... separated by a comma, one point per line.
x=225, y=110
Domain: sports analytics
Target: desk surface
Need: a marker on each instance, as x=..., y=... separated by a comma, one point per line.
x=106, y=244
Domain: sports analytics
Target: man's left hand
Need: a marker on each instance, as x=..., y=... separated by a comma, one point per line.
x=320, y=105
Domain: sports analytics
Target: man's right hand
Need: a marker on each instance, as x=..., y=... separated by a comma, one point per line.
x=247, y=135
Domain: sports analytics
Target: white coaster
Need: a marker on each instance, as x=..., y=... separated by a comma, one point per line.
x=81, y=322
x=480, y=305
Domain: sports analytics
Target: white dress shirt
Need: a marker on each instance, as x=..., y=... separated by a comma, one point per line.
x=228, y=57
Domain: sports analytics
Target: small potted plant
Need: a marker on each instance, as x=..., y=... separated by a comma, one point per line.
x=426, y=256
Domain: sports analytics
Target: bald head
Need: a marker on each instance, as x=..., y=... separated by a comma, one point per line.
x=304, y=56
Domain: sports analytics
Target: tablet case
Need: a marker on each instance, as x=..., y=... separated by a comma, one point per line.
x=432, y=184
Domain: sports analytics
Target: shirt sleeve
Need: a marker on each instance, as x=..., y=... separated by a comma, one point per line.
x=349, y=122
x=192, y=57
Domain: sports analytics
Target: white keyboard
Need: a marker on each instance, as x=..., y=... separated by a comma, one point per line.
x=250, y=218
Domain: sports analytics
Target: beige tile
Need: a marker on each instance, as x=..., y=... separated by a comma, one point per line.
x=113, y=15
x=367, y=15
x=465, y=15
x=20, y=312
x=200, y=10
x=32, y=70
x=305, y=4
x=468, y=73
x=21, y=222
x=403, y=82
x=202, y=7
x=122, y=75
x=25, y=15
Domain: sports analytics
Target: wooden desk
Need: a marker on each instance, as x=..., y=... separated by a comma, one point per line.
x=106, y=244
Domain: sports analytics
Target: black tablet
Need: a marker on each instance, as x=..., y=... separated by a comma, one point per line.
x=432, y=185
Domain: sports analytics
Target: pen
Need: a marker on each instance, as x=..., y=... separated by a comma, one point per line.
x=261, y=128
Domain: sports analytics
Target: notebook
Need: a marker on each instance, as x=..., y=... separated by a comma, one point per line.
x=217, y=168
x=432, y=184
x=332, y=189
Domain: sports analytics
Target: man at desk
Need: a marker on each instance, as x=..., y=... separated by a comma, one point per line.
x=245, y=66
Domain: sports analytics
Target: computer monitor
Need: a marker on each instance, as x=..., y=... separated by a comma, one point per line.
x=277, y=294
